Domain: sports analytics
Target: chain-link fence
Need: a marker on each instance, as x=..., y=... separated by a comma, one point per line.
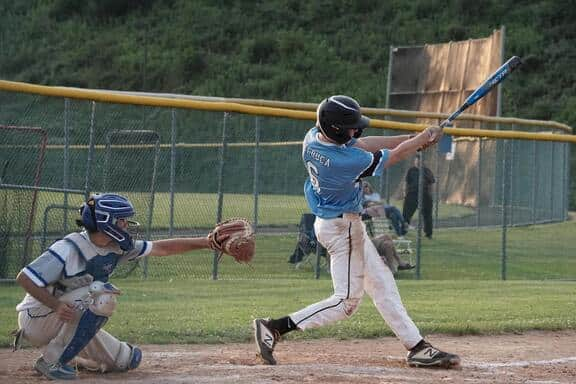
x=186, y=169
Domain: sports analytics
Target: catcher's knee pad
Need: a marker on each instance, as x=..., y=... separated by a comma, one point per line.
x=103, y=298
x=129, y=357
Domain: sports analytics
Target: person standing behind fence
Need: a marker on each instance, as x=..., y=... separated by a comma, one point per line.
x=411, y=198
x=337, y=159
x=69, y=299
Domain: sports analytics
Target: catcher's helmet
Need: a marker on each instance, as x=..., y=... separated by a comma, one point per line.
x=101, y=213
x=337, y=114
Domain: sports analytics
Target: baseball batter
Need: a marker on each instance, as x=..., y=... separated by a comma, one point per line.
x=69, y=298
x=337, y=159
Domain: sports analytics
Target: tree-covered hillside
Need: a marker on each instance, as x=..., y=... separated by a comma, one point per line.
x=291, y=50
x=280, y=49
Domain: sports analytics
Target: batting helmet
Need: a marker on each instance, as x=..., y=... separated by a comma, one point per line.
x=337, y=114
x=101, y=213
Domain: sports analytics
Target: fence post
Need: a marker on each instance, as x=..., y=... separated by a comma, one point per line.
x=420, y=215
x=220, y=189
x=90, y=153
x=256, y=171
x=65, y=176
x=479, y=183
x=566, y=189
x=437, y=187
x=552, y=161
x=535, y=168
x=172, y=170
x=512, y=145
x=152, y=197
x=504, y=209
x=385, y=178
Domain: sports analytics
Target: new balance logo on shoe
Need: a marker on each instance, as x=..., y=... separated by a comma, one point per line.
x=425, y=355
x=269, y=341
x=265, y=341
x=431, y=352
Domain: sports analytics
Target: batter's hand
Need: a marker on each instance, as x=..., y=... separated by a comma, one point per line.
x=65, y=312
x=434, y=134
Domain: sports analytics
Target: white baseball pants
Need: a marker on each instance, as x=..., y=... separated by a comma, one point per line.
x=356, y=267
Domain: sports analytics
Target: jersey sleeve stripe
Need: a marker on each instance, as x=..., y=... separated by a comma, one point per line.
x=57, y=256
x=143, y=249
x=376, y=158
x=35, y=277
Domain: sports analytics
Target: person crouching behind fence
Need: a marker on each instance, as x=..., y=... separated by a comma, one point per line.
x=69, y=298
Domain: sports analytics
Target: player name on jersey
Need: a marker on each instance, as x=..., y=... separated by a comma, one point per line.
x=325, y=161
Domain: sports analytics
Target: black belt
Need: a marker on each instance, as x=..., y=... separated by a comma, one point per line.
x=342, y=215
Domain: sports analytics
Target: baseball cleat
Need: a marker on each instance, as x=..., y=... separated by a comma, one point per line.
x=425, y=355
x=55, y=371
x=265, y=341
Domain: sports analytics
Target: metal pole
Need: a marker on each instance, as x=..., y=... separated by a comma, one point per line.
x=504, y=210
x=437, y=188
x=566, y=189
x=385, y=178
x=172, y=170
x=220, y=189
x=90, y=153
x=551, y=181
x=66, y=167
x=256, y=171
x=499, y=87
x=512, y=151
x=479, y=183
x=420, y=216
x=152, y=196
x=534, y=180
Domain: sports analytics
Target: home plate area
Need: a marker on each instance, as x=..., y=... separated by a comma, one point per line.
x=539, y=357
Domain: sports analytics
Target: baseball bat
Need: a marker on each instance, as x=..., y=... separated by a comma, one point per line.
x=494, y=79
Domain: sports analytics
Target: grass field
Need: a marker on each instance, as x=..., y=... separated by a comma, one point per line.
x=460, y=291
x=180, y=311
x=538, y=252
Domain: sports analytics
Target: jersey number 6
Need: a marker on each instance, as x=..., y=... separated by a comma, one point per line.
x=313, y=172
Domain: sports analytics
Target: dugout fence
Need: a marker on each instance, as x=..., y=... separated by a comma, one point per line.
x=187, y=164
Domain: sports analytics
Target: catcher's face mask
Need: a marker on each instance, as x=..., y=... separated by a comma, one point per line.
x=109, y=213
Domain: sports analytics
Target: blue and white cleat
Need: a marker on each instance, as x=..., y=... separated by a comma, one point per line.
x=55, y=371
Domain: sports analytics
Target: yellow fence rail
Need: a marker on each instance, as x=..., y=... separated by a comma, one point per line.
x=281, y=109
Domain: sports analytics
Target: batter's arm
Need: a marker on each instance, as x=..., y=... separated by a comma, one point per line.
x=409, y=147
x=376, y=143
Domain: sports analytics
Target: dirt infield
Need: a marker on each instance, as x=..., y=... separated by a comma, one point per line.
x=534, y=357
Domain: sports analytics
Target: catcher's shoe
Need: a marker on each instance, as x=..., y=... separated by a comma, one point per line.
x=265, y=340
x=55, y=371
x=425, y=355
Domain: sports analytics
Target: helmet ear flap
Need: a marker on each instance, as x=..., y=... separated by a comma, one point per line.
x=87, y=210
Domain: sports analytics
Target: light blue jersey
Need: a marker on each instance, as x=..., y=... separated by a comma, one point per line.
x=334, y=171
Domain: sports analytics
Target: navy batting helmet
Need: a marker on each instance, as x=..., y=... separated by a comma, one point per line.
x=101, y=213
x=337, y=114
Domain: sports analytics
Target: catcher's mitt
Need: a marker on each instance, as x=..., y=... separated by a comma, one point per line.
x=234, y=237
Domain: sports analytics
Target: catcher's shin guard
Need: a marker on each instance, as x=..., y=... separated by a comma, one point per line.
x=87, y=328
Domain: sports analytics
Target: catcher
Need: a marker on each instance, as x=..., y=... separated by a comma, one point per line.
x=69, y=299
